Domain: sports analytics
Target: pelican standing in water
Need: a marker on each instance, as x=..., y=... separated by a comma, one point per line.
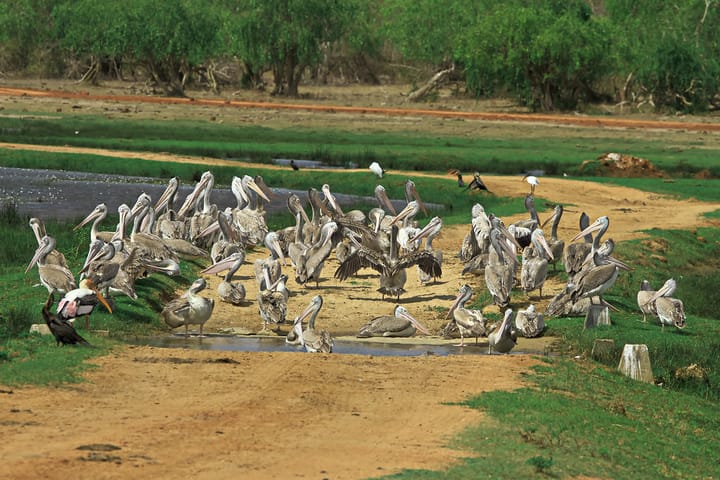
x=189, y=309
x=399, y=324
x=502, y=339
x=314, y=341
x=467, y=321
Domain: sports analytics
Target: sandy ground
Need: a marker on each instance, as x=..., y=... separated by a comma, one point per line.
x=161, y=413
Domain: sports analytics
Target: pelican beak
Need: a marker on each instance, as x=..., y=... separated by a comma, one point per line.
x=38, y=253
x=413, y=191
x=620, y=264
x=455, y=303
x=545, y=246
x=384, y=200
x=275, y=245
x=550, y=218
x=432, y=224
x=597, y=225
x=416, y=323
x=666, y=289
x=165, y=197
x=212, y=228
x=254, y=186
x=266, y=190
x=194, y=195
x=92, y=216
x=405, y=212
x=222, y=265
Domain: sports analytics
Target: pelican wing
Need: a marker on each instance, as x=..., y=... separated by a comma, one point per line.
x=425, y=259
x=361, y=258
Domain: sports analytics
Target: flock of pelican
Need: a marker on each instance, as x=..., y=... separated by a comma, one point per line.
x=151, y=239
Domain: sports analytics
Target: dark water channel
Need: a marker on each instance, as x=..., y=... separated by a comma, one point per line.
x=277, y=344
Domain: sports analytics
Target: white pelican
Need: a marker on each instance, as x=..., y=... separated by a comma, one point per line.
x=535, y=258
x=529, y=323
x=670, y=311
x=55, y=257
x=53, y=277
x=399, y=324
x=557, y=245
x=189, y=309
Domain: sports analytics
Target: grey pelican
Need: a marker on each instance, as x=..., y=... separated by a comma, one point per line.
x=62, y=330
x=430, y=231
x=272, y=301
x=377, y=169
x=411, y=194
x=189, y=309
x=670, y=311
x=500, y=269
x=171, y=246
x=535, y=258
x=248, y=216
x=469, y=322
x=274, y=262
x=207, y=213
x=169, y=224
x=383, y=200
x=557, y=245
x=81, y=302
x=227, y=243
x=476, y=183
x=53, y=277
x=330, y=198
x=522, y=229
x=502, y=339
x=643, y=296
x=529, y=323
x=595, y=280
x=54, y=257
x=228, y=291
x=576, y=253
x=391, y=266
x=312, y=260
x=314, y=341
x=399, y=324
x=150, y=245
x=108, y=269
x=533, y=181
x=97, y=216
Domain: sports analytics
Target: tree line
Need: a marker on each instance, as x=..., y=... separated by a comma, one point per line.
x=548, y=54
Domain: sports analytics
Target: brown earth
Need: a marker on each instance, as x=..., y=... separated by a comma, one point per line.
x=201, y=414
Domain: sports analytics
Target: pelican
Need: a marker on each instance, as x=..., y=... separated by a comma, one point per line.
x=96, y=216
x=228, y=291
x=392, y=266
x=150, y=245
x=62, y=330
x=248, y=216
x=670, y=311
x=529, y=323
x=53, y=277
x=430, y=231
x=272, y=301
x=383, y=200
x=81, y=302
x=476, y=243
x=312, y=260
x=557, y=246
x=108, y=269
x=169, y=224
x=468, y=321
x=274, y=262
x=643, y=296
x=502, y=339
x=500, y=269
x=399, y=324
x=576, y=253
x=330, y=198
x=313, y=340
x=54, y=257
x=533, y=181
x=522, y=229
x=189, y=309
x=411, y=194
x=534, y=267
x=377, y=169
x=227, y=244
x=476, y=183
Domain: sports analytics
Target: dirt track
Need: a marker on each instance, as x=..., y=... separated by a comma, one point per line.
x=214, y=415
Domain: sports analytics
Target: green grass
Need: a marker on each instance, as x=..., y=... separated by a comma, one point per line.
x=395, y=149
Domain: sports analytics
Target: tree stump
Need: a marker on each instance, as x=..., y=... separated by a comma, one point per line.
x=635, y=363
x=597, y=315
x=602, y=350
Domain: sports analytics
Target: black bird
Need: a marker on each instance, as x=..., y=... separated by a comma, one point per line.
x=62, y=330
x=477, y=183
x=460, y=181
x=293, y=165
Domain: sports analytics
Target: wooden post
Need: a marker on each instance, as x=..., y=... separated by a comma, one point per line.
x=602, y=350
x=635, y=363
x=597, y=315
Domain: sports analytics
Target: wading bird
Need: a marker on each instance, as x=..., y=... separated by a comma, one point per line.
x=467, y=321
x=503, y=339
x=314, y=341
x=377, y=169
x=189, y=309
x=399, y=324
x=81, y=302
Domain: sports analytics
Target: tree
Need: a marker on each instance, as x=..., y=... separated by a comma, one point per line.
x=289, y=35
x=549, y=53
x=25, y=39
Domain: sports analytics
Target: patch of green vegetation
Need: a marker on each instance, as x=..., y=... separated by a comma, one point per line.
x=706, y=190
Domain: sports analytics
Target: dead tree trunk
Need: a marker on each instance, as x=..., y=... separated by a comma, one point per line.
x=433, y=84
